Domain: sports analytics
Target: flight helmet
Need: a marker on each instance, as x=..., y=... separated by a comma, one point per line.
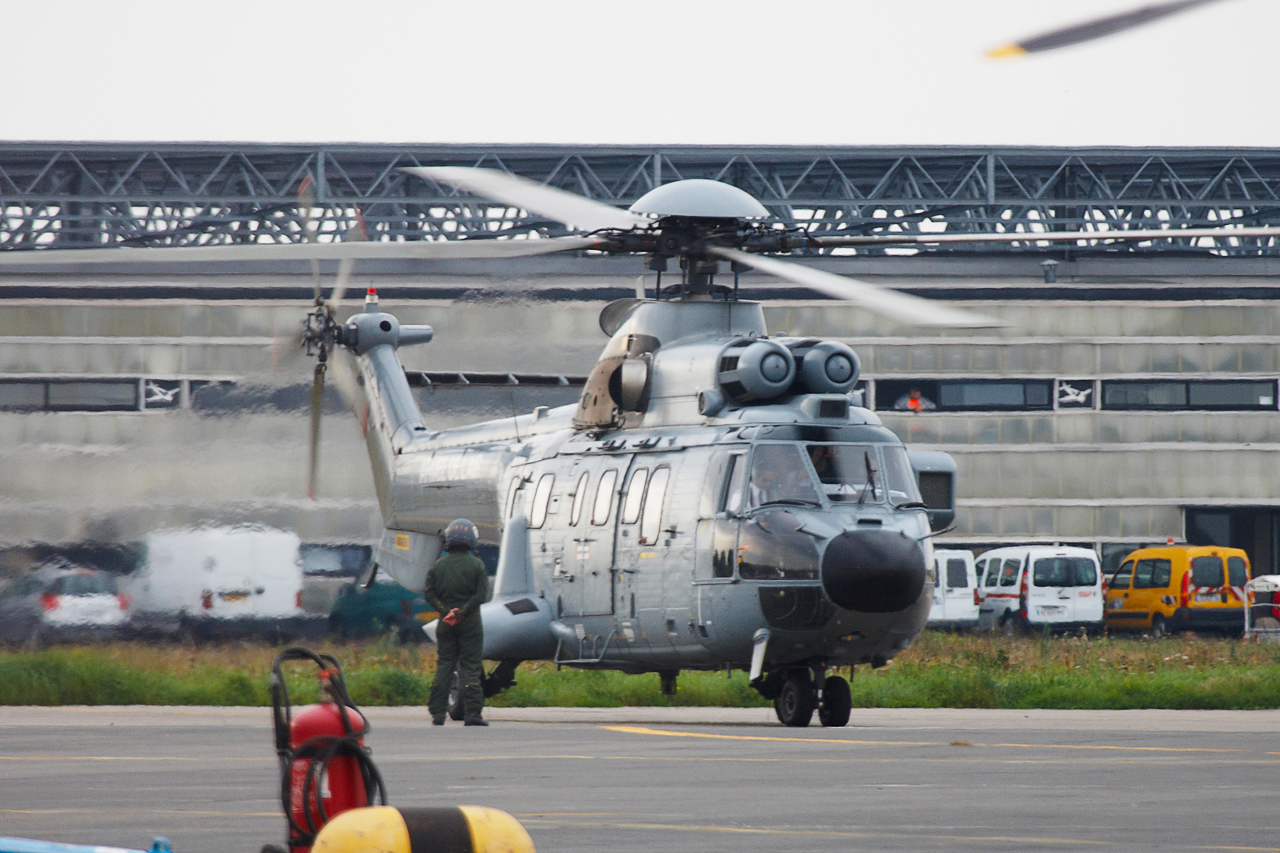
x=461, y=534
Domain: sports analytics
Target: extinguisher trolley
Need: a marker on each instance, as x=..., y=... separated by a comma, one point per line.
x=325, y=768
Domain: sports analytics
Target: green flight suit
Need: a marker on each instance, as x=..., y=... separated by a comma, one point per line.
x=458, y=579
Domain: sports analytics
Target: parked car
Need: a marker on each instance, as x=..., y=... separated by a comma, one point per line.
x=384, y=607
x=55, y=605
x=955, y=590
x=1028, y=587
x=1178, y=588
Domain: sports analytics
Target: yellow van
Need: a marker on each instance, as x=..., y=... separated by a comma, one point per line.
x=1178, y=588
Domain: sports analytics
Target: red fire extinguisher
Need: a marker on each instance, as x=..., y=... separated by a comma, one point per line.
x=325, y=767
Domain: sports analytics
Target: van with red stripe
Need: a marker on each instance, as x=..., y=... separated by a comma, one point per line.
x=1026, y=588
x=1179, y=588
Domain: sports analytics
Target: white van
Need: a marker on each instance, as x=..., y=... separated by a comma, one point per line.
x=955, y=591
x=221, y=581
x=1027, y=587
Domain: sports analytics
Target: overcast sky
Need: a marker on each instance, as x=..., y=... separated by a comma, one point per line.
x=828, y=72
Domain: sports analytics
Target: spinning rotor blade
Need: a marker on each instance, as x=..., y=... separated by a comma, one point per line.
x=344, y=377
x=1040, y=236
x=1094, y=29
x=426, y=250
x=582, y=213
x=888, y=303
x=310, y=228
x=317, y=410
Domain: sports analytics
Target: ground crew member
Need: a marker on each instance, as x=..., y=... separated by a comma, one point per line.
x=456, y=587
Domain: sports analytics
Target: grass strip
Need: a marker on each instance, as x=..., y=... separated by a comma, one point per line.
x=938, y=671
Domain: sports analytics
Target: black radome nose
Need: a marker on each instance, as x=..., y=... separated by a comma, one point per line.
x=873, y=571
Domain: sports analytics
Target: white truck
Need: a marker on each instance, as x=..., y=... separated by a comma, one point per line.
x=221, y=581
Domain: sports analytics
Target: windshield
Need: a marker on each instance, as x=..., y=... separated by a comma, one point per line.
x=899, y=476
x=779, y=476
x=845, y=471
x=1064, y=571
x=852, y=472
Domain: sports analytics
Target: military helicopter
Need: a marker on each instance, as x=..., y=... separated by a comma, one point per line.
x=719, y=498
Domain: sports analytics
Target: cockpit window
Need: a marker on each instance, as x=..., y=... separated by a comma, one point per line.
x=847, y=471
x=779, y=476
x=899, y=477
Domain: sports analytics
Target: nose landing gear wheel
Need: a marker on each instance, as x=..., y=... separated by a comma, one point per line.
x=795, y=703
x=837, y=702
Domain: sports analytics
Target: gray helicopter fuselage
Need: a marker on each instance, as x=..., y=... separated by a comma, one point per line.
x=642, y=540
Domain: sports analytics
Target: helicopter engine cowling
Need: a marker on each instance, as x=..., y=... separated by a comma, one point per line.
x=829, y=367
x=755, y=370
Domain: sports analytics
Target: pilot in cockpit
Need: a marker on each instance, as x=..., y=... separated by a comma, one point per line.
x=842, y=479
x=778, y=476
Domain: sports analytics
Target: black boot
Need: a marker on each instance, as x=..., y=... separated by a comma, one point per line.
x=475, y=720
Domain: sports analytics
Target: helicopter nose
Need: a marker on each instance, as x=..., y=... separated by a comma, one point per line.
x=873, y=571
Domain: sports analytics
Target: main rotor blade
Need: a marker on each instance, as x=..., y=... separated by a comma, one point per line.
x=888, y=303
x=1094, y=29
x=425, y=250
x=317, y=410
x=575, y=210
x=1041, y=236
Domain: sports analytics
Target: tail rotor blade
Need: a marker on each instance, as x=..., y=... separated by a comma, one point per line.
x=307, y=201
x=317, y=410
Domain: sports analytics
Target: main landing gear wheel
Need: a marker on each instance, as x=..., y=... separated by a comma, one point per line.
x=837, y=702
x=796, y=701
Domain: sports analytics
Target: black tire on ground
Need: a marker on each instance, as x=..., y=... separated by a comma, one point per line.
x=795, y=703
x=837, y=702
x=1159, y=630
x=336, y=628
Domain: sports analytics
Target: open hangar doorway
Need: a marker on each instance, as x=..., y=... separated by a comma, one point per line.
x=1255, y=529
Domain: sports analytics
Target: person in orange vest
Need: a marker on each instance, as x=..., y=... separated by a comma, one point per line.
x=914, y=401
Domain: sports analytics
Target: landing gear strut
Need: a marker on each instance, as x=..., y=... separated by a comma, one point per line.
x=796, y=695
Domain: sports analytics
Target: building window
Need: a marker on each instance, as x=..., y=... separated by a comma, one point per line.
x=1210, y=394
x=965, y=395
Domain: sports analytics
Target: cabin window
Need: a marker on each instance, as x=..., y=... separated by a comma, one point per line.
x=1009, y=574
x=541, y=500
x=635, y=496
x=579, y=498
x=779, y=476
x=732, y=497
x=604, y=497
x=1152, y=574
x=957, y=576
x=651, y=525
x=981, y=569
x=1120, y=580
x=516, y=482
